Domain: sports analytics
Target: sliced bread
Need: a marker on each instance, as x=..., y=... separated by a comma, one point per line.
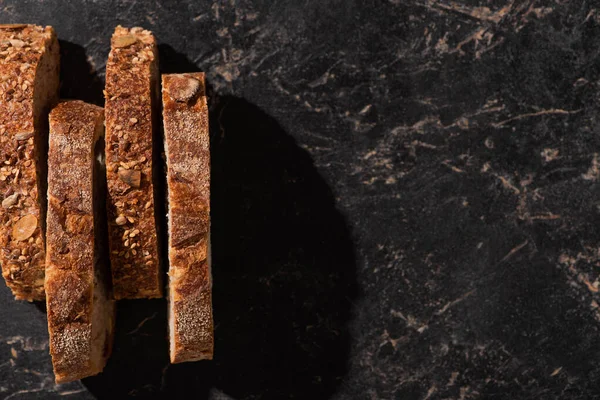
x=29, y=78
x=131, y=96
x=80, y=310
x=185, y=118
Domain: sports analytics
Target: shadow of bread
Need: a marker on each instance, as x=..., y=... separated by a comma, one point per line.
x=283, y=263
x=78, y=78
x=284, y=276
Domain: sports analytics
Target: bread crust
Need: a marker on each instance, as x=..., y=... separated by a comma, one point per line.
x=187, y=147
x=72, y=249
x=29, y=76
x=131, y=93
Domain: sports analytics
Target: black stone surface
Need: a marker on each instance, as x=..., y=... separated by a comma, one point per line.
x=405, y=200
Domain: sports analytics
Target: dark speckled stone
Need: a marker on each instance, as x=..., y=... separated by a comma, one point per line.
x=405, y=200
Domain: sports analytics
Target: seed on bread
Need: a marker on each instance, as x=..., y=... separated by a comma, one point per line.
x=23, y=136
x=124, y=41
x=131, y=177
x=24, y=227
x=10, y=201
x=12, y=26
x=183, y=88
x=17, y=43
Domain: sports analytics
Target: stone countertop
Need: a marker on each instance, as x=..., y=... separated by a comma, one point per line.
x=405, y=200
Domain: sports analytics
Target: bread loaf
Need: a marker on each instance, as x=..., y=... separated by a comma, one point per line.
x=80, y=310
x=29, y=78
x=131, y=97
x=185, y=118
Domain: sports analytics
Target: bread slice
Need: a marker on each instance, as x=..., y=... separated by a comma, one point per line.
x=185, y=118
x=131, y=96
x=29, y=77
x=80, y=310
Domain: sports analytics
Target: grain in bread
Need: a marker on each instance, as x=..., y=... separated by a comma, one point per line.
x=131, y=97
x=29, y=79
x=80, y=310
x=185, y=119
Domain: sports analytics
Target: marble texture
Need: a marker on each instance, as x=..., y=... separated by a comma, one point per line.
x=405, y=199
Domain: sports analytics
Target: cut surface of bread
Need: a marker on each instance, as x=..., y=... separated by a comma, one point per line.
x=131, y=99
x=29, y=78
x=80, y=310
x=185, y=119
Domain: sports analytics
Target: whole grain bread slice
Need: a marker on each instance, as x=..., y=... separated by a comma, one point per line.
x=131, y=97
x=185, y=119
x=80, y=310
x=29, y=79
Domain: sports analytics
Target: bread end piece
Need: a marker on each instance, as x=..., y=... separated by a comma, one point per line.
x=29, y=72
x=81, y=314
x=187, y=149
